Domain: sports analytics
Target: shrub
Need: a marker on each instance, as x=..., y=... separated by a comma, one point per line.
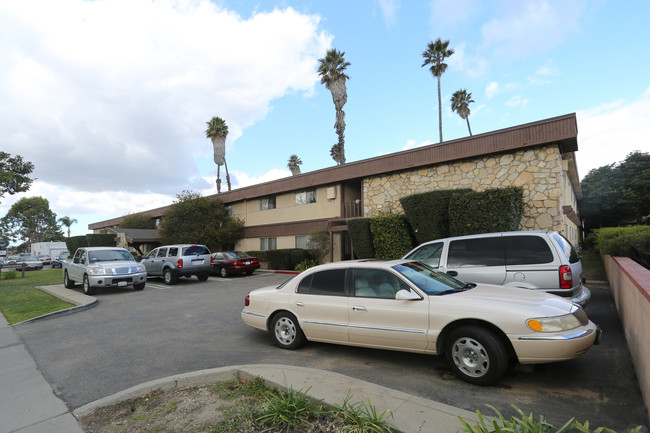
x=428, y=213
x=303, y=266
x=493, y=210
x=361, y=237
x=632, y=242
x=391, y=236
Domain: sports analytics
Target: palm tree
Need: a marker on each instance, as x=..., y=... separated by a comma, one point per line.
x=217, y=132
x=67, y=221
x=335, y=153
x=294, y=164
x=460, y=104
x=331, y=70
x=435, y=55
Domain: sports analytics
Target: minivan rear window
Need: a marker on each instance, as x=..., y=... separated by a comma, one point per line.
x=196, y=250
x=476, y=252
x=569, y=252
x=527, y=250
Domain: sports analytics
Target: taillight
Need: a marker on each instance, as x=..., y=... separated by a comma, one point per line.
x=179, y=264
x=211, y=260
x=566, y=277
x=239, y=263
x=247, y=301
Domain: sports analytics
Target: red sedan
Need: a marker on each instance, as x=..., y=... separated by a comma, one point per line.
x=227, y=263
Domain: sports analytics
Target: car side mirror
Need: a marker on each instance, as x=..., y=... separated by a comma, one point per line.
x=406, y=295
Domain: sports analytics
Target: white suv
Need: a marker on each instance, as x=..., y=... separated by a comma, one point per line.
x=173, y=261
x=537, y=260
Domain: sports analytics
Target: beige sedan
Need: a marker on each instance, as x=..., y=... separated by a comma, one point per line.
x=409, y=306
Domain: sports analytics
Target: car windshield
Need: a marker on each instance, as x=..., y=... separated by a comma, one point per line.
x=431, y=281
x=109, y=255
x=231, y=255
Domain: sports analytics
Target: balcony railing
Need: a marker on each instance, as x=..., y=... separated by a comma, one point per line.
x=352, y=209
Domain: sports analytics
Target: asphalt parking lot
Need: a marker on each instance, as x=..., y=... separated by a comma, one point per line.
x=132, y=337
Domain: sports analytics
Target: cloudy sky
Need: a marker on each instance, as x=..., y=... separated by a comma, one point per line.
x=109, y=99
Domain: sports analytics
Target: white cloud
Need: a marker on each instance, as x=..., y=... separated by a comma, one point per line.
x=609, y=132
x=491, y=89
x=389, y=10
x=413, y=144
x=91, y=88
x=517, y=101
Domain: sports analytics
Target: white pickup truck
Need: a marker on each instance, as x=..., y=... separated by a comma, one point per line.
x=96, y=267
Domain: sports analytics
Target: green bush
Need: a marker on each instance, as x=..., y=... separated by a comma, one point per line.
x=361, y=237
x=303, y=266
x=100, y=240
x=492, y=210
x=391, y=236
x=428, y=213
x=632, y=242
x=285, y=259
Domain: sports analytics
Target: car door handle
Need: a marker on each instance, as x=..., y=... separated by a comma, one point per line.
x=300, y=304
x=452, y=273
x=359, y=308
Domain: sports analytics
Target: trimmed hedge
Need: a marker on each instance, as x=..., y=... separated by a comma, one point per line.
x=632, y=242
x=90, y=240
x=493, y=210
x=283, y=259
x=361, y=237
x=428, y=213
x=391, y=236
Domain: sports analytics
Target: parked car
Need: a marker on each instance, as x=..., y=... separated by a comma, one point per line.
x=47, y=260
x=408, y=306
x=538, y=260
x=173, y=261
x=225, y=263
x=30, y=263
x=57, y=262
x=97, y=267
x=11, y=260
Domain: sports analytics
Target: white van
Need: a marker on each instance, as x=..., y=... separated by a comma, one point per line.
x=538, y=260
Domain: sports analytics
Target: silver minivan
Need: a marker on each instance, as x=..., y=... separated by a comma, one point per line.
x=538, y=260
x=173, y=261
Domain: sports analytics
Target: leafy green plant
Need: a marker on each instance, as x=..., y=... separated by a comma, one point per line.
x=361, y=237
x=9, y=275
x=632, y=242
x=303, y=266
x=492, y=210
x=391, y=236
x=527, y=424
x=292, y=409
x=362, y=417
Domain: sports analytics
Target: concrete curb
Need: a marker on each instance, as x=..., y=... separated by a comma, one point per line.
x=410, y=413
x=81, y=302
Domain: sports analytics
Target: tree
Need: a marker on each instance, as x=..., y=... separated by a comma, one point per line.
x=67, y=222
x=31, y=220
x=319, y=244
x=617, y=194
x=331, y=70
x=137, y=221
x=460, y=104
x=294, y=164
x=14, y=174
x=217, y=132
x=434, y=55
x=335, y=153
x=195, y=219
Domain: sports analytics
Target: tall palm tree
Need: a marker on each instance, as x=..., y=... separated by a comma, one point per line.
x=67, y=221
x=435, y=55
x=294, y=164
x=331, y=70
x=335, y=153
x=460, y=104
x=217, y=132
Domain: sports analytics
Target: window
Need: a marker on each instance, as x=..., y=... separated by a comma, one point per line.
x=162, y=252
x=476, y=252
x=301, y=241
x=527, y=250
x=329, y=283
x=173, y=252
x=267, y=203
x=429, y=254
x=306, y=196
x=229, y=209
x=267, y=244
x=376, y=283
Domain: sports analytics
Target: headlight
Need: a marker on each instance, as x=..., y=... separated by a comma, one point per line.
x=553, y=324
x=96, y=271
x=141, y=268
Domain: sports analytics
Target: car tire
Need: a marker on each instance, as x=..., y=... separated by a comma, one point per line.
x=249, y=272
x=476, y=355
x=223, y=272
x=138, y=286
x=88, y=290
x=203, y=277
x=67, y=282
x=169, y=277
x=286, y=331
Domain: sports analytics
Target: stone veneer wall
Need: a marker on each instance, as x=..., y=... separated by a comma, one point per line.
x=538, y=171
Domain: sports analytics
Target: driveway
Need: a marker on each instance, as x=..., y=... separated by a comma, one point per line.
x=132, y=337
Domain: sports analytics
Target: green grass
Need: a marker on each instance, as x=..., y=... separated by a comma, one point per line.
x=21, y=300
x=592, y=265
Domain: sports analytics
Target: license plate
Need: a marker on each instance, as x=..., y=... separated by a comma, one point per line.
x=198, y=262
x=247, y=263
x=122, y=284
